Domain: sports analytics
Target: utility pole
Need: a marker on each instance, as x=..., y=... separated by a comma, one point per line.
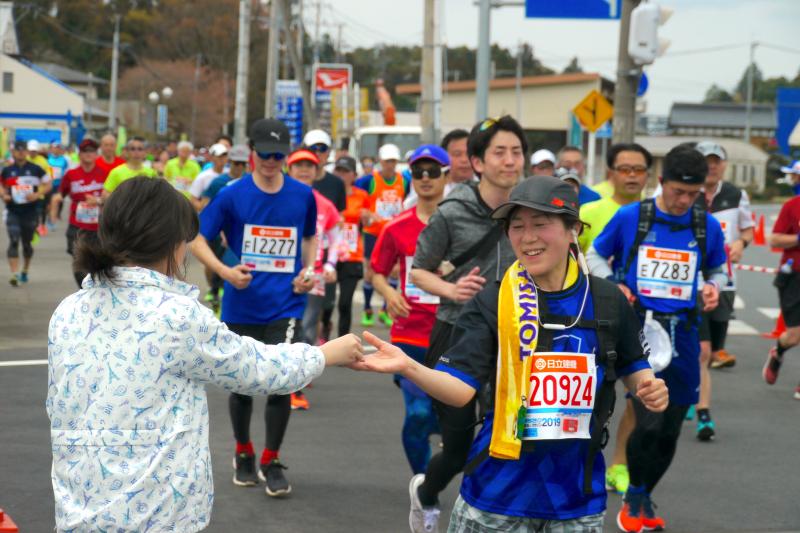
x=431, y=74
x=317, y=22
x=272, y=57
x=482, y=60
x=749, y=104
x=195, y=85
x=627, y=80
x=242, y=74
x=339, y=54
x=297, y=63
x=518, y=83
x=225, y=117
x=112, y=106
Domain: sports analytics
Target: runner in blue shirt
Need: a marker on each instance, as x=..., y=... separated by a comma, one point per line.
x=658, y=272
x=536, y=336
x=59, y=165
x=269, y=222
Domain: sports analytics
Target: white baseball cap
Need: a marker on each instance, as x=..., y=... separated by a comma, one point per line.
x=389, y=151
x=540, y=156
x=317, y=137
x=34, y=146
x=218, y=149
x=794, y=168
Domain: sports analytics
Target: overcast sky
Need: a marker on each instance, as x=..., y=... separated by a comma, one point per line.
x=695, y=24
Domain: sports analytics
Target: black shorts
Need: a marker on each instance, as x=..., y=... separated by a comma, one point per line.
x=441, y=335
x=369, y=245
x=284, y=330
x=722, y=313
x=789, y=296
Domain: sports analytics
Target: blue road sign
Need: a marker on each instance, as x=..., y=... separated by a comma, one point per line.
x=573, y=9
x=161, y=119
x=604, y=132
x=788, y=100
x=289, y=108
x=644, y=83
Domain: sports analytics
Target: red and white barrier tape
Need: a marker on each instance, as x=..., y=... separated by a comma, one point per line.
x=756, y=268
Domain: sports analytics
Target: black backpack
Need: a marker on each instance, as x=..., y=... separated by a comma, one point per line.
x=605, y=295
x=647, y=216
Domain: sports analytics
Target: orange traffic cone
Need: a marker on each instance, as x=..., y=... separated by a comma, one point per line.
x=759, y=239
x=6, y=524
x=780, y=327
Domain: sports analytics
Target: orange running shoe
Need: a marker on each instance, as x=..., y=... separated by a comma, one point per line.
x=651, y=522
x=723, y=359
x=629, y=518
x=299, y=401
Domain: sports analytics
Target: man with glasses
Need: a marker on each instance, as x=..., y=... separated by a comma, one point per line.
x=332, y=188
x=84, y=187
x=659, y=247
x=571, y=158
x=628, y=169
x=219, y=160
x=133, y=167
x=269, y=221
x=412, y=309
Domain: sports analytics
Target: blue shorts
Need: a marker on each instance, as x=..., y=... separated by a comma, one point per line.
x=682, y=376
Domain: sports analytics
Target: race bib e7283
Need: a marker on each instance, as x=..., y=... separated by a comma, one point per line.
x=666, y=273
x=561, y=396
x=269, y=248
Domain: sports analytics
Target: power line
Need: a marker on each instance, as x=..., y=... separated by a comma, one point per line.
x=779, y=47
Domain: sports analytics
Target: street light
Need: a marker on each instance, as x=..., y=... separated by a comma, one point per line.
x=154, y=97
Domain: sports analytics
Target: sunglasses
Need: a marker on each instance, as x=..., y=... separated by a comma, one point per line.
x=136, y=148
x=486, y=124
x=238, y=162
x=319, y=147
x=430, y=172
x=277, y=156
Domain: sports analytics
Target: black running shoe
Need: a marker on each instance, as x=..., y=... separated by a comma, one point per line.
x=244, y=470
x=272, y=474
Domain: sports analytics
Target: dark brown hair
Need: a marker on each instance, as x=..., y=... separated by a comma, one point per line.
x=142, y=223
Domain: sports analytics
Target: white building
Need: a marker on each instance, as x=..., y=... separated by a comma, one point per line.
x=34, y=105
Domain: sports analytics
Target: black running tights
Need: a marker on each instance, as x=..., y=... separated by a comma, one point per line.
x=348, y=276
x=652, y=444
x=278, y=409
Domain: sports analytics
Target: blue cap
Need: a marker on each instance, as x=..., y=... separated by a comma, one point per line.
x=430, y=151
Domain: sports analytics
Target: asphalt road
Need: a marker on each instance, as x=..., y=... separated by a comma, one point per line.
x=345, y=459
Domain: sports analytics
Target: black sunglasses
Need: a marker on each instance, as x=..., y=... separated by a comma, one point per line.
x=427, y=172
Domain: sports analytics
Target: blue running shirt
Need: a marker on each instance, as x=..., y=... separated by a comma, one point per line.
x=269, y=296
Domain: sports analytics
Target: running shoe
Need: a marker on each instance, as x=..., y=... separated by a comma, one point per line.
x=650, y=521
x=272, y=474
x=384, y=317
x=705, y=430
x=421, y=519
x=367, y=319
x=210, y=296
x=617, y=478
x=690, y=413
x=772, y=366
x=23, y=277
x=299, y=401
x=797, y=393
x=629, y=518
x=14, y=280
x=42, y=230
x=50, y=226
x=244, y=470
x=723, y=359
x=35, y=239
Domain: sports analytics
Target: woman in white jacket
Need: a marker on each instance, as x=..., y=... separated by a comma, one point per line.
x=129, y=357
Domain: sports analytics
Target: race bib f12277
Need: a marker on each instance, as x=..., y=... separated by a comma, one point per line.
x=269, y=248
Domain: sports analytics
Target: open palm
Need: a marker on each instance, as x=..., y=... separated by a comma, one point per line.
x=388, y=359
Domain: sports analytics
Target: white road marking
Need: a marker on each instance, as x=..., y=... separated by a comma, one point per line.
x=738, y=327
x=770, y=312
x=28, y=362
x=738, y=303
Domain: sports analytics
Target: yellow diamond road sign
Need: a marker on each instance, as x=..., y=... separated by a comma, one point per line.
x=593, y=111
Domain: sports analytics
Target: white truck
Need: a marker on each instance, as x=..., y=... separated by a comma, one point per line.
x=367, y=140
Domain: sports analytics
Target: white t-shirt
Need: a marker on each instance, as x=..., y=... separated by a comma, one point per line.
x=202, y=181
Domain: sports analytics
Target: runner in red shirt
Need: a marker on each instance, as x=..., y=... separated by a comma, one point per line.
x=108, y=160
x=786, y=235
x=413, y=310
x=303, y=165
x=84, y=186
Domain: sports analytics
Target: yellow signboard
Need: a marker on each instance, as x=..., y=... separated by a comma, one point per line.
x=593, y=111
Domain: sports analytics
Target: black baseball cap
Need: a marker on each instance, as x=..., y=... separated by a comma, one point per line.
x=269, y=135
x=542, y=193
x=20, y=145
x=346, y=162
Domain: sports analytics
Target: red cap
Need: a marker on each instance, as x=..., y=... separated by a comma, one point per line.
x=88, y=143
x=302, y=155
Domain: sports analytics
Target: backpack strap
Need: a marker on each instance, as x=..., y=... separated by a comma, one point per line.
x=699, y=228
x=647, y=213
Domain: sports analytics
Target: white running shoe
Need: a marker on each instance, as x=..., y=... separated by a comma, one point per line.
x=421, y=519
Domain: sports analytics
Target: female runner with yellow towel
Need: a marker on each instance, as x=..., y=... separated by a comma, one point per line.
x=551, y=339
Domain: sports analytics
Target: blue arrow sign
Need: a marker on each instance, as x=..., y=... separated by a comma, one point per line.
x=573, y=9
x=644, y=83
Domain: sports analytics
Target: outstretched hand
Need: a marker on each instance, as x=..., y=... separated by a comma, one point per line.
x=387, y=359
